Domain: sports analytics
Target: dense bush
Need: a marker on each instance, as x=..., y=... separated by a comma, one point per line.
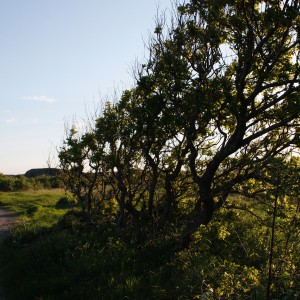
x=22, y=183
x=78, y=260
x=6, y=183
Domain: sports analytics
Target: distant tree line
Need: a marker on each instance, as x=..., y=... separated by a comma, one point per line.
x=214, y=108
x=22, y=183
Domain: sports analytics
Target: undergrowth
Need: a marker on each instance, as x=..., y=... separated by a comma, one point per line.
x=55, y=255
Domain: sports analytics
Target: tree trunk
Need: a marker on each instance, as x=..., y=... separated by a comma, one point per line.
x=121, y=217
x=89, y=207
x=201, y=215
x=170, y=197
x=271, y=252
x=136, y=218
x=152, y=188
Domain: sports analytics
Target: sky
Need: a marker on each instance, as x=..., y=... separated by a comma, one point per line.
x=58, y=60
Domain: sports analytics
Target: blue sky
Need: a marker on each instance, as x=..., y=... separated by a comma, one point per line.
x=56, y=58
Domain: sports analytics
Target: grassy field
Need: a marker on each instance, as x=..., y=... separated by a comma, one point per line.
x=38, y=212
x=53, y=255
x=40, y=207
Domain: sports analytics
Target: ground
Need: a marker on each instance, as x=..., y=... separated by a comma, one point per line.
x=7, y=220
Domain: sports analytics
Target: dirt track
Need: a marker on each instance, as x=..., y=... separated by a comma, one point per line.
x=7, y=221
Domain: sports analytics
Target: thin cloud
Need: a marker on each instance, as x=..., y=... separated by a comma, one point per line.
x=10, y=121
x=40, y=99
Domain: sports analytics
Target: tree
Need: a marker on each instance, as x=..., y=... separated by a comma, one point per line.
x=234, y=68
x=122, y=158
x=215, y=102
x=80, y=161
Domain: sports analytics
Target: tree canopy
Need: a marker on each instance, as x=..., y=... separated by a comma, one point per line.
x=214, y=105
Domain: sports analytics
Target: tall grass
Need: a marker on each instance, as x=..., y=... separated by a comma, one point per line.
x=53, y=255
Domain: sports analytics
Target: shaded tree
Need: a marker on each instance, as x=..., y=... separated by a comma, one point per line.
x=80, y=161
x=215, y=102
x=235, y=66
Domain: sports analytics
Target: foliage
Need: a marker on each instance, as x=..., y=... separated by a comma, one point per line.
x=22, y=183
x=214, y=105
x=71, y=259
x=210, y=129
x=198, y=127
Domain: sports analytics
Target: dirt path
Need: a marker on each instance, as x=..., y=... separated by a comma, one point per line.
x=7, y=221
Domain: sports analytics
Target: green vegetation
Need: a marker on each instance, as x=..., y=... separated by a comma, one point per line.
x=188, y=186
x=22, y=183
x=38, y=208
x=215, y=105
x=58, y=256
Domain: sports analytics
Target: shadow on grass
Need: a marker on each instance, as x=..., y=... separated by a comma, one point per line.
x=74, y=260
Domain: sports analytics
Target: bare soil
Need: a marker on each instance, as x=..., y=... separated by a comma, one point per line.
x=7, y=221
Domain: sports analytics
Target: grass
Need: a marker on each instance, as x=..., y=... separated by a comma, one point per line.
x=24, y=202
x=53, y=255
x=38, y=207
x=38, y=213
